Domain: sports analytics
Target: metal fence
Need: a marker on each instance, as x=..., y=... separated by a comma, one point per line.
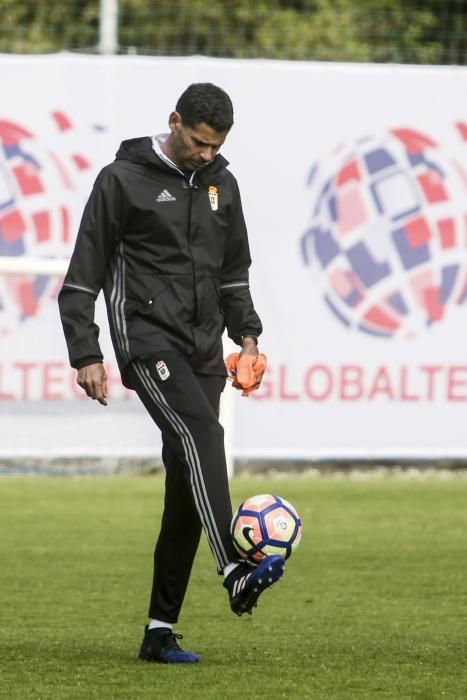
x=402, y=31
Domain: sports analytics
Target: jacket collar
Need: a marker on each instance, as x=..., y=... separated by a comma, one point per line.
x=217, y=164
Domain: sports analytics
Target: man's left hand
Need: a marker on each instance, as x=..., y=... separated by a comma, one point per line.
x=246, y=369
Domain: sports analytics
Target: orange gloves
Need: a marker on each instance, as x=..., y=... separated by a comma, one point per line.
x=245, y=371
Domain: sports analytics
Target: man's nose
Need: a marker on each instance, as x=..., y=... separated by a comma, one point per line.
x=208, y=153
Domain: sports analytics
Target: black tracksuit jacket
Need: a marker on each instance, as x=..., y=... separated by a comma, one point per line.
x=171, y=256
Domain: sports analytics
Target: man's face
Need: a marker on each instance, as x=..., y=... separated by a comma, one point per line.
x=192, y=147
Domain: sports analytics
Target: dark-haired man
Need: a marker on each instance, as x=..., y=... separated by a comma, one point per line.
x=163, y=235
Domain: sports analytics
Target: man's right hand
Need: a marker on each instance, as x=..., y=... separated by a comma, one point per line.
x=93, y=380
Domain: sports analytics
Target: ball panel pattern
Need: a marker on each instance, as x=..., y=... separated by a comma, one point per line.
x=263, y=525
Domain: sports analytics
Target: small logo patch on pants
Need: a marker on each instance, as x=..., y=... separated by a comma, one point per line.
x=162, y=370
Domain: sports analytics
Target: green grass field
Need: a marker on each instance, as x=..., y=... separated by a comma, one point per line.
x=372, y=605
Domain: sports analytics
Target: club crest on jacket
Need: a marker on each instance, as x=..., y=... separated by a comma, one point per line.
x=213, y=197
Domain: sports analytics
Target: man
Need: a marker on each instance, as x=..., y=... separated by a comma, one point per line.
x=163, y=235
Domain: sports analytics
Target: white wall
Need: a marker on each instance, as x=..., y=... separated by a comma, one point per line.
x=395, y=135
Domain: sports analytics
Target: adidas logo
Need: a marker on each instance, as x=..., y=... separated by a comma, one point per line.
x=165, y=196
x=239, y=585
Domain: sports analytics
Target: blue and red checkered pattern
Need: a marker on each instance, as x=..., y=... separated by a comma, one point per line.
x=389, y=229
x=37, y=181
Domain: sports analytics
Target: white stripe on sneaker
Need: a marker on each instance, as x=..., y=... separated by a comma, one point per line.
x=240, y=584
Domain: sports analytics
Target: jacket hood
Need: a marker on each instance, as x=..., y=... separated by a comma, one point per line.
x=140, y=150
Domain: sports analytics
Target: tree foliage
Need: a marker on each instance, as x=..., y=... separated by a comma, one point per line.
x=38, y=26
x=402, y=31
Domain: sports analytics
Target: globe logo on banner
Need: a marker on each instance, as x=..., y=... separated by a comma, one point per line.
x=389, y=231
x=39, y=178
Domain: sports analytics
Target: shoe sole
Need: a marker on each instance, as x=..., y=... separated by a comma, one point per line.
x=268, y=572
x=187, y=659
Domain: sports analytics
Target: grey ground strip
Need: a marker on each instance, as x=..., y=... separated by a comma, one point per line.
x=283, y=469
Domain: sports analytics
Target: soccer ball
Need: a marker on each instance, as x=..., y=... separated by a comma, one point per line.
x=265, y=525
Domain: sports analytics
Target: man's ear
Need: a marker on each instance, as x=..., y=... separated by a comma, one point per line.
x=175, y=122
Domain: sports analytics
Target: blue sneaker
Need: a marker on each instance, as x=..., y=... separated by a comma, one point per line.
x=246, y=584
x=160, y=645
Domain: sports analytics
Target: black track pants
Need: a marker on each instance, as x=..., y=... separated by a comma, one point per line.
x=185, y=407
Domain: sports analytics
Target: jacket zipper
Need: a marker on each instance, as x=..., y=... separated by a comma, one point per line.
x=191, y=186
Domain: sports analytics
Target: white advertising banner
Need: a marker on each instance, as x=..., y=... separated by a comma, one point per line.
x=354, y=185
